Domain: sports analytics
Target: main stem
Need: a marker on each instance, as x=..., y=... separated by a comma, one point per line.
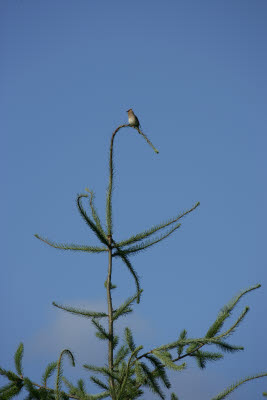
x=109, y=298
x=110, y=186
x=110, y=314
x=110, y=242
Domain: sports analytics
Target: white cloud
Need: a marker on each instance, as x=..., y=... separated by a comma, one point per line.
x=78, y=335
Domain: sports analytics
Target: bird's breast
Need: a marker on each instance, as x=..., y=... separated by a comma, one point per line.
x=132, y=120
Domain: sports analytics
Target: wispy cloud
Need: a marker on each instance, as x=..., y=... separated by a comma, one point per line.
x=78, y=334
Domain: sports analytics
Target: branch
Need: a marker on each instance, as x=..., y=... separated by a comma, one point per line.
x=75, y=247
x=83, y=313
x=234, y=386
x=226, y=312
x=145, y=137
x=154, y=229
x=21, y=379
x=200, y=342
x=146, y=244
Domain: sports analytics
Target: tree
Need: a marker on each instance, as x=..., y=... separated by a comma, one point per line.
x=130, y=368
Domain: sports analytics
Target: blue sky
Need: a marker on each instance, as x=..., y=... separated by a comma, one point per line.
x=195, y=74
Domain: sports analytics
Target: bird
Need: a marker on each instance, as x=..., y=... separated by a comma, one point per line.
x=132, y=118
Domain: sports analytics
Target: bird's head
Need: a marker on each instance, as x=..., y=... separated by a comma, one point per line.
x=129, y=111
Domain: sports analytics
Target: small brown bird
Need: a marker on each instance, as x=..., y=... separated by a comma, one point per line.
x=132, y=118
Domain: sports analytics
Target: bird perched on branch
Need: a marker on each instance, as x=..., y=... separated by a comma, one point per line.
x=132, y=118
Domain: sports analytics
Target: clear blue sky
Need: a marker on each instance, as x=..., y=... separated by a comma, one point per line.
x=195, y=74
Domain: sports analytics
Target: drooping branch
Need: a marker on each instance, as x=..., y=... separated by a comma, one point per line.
x=98, y=232
x=59, y=370
x=94, y=212
x=126, y=261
